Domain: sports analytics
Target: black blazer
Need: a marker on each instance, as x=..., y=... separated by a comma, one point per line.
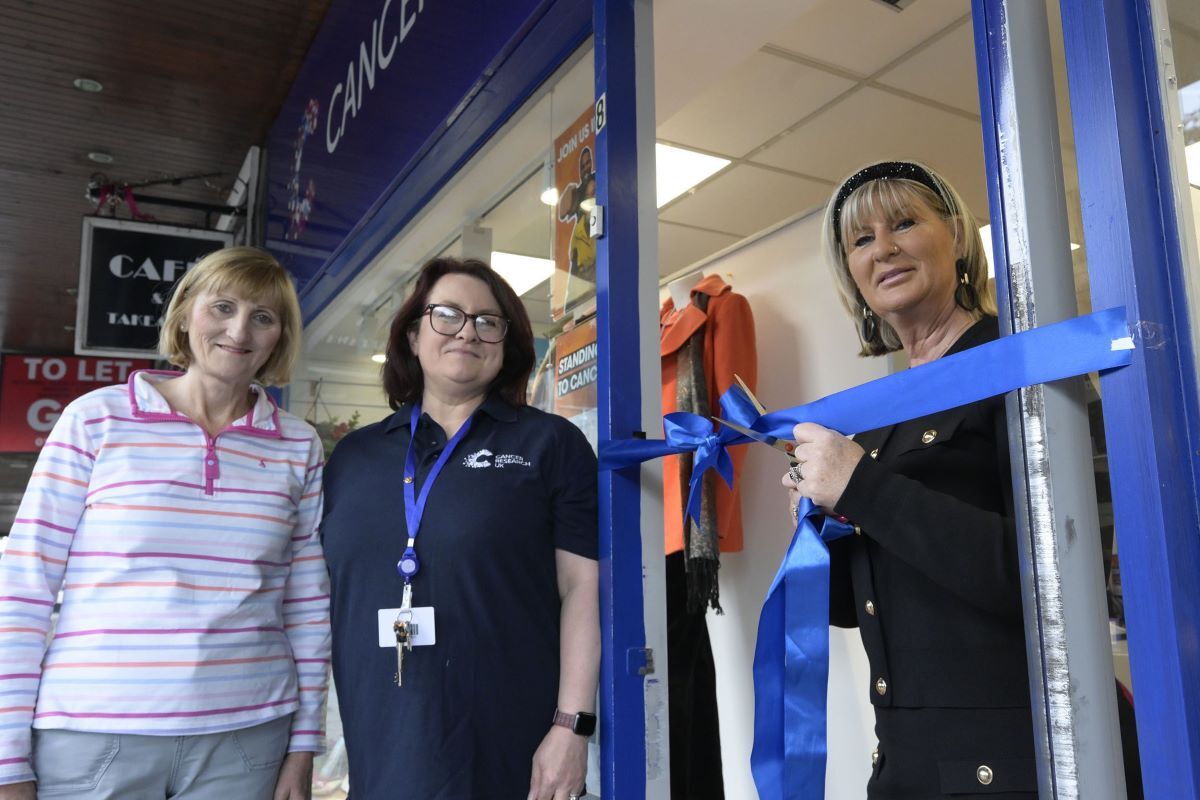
x=932, y=583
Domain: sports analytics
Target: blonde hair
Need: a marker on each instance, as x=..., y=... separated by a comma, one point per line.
x=892, y=197
x=253, y=274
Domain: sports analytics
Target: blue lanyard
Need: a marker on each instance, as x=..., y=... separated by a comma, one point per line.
x=414, y=505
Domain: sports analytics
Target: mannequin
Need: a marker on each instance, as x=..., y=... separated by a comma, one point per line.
x=680, y=289
x=706, y=336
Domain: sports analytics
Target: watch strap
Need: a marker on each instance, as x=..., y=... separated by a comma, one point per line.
x=582, y=723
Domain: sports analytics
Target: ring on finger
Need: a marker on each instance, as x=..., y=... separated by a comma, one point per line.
x=795, y=474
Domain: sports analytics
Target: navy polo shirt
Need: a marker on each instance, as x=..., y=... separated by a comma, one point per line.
x=475, y=706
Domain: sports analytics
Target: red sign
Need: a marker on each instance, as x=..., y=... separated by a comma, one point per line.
x=35, y=389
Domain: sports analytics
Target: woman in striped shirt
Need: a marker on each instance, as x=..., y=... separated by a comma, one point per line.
x=177, y=516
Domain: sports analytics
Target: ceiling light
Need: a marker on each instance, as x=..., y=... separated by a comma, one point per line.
x=522, y=272
x=1191, y=155
x=677, y=170
x=88, y=85
x=379, y=358
x=100, y=157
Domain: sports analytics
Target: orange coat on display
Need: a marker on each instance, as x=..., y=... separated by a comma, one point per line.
x=728, y=350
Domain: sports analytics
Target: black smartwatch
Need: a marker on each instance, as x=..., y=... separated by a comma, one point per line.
x=582, y=724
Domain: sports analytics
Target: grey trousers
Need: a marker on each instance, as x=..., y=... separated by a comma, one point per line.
x=235, y=765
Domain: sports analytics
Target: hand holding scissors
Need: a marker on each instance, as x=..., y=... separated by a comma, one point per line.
x=822, y=460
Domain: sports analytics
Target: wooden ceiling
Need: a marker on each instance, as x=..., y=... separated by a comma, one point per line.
x=188, y=89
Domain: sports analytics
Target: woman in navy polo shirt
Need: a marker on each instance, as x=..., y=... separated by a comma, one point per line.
x=464, y=524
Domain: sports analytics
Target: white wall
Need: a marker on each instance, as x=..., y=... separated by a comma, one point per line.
x=807, y=349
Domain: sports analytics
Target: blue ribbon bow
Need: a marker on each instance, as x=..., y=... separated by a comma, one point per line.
x=689, y=433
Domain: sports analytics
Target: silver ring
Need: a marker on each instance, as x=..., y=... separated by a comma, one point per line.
x=795, y=474
x=572, y=796
x=795, y=513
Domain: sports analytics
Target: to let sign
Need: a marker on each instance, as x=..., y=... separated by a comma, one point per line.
x=35, y=389
x=126, y=273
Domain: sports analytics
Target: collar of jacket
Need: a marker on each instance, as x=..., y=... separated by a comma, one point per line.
x=675, y=329
x=493, y=405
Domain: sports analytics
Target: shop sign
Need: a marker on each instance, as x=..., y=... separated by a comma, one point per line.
x=126, y=271
x=381, y=81
x=35, y=389
x=574, y=276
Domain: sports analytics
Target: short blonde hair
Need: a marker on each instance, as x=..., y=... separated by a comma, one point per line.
x=251, y=273
x=892, y=197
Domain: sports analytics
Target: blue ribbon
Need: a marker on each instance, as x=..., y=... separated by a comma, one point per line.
x=791, y=664
x=792, y=654
x=1040, y=355
x=689, y=433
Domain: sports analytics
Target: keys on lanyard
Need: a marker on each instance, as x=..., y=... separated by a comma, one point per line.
x=405, y=630
x=405, y=627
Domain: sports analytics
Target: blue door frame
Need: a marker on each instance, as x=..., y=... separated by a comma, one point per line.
x=1152, y=416
x=624, y=659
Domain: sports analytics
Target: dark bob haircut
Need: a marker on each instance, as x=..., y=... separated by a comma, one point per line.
x=403, y=381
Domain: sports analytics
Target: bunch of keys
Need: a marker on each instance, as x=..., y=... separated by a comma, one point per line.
x=406, y=631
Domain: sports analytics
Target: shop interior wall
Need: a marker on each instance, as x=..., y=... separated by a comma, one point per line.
x=807, y=348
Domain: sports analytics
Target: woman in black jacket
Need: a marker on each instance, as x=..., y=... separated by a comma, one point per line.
x=932, y=578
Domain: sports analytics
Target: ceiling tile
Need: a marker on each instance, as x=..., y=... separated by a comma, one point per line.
x=697, y=42
x=746, y=199
x=873, y=124
x=680, y=246
x=761, y=97
x=944, y=71
x=863, y=36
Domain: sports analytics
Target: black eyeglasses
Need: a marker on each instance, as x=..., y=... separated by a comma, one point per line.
x=449, y=320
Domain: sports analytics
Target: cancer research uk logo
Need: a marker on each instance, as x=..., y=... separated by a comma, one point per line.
x=482, y=459
x=300, y=208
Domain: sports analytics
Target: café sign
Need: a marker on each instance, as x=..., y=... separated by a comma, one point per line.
x=126, y=272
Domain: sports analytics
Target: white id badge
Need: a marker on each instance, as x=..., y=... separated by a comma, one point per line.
x=422, y=616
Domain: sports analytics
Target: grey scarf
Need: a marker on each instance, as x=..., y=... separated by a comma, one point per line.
x=701, y=552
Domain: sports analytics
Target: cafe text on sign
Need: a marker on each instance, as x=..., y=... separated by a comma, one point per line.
x=35, y=389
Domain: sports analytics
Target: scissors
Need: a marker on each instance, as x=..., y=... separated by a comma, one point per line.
x=787, y=448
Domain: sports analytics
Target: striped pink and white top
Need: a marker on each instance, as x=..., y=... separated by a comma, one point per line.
x=194, y=592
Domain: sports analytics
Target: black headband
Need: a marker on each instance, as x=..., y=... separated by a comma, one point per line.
x=883, y=171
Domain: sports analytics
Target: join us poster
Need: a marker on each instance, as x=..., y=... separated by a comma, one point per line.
x=574, y=278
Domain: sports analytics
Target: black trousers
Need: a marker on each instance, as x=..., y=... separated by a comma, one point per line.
x=692, y=697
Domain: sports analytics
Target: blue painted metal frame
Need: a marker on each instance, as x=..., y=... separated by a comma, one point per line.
x=622, y=609
x=562, y=27
x=981, y=12
x=1151, y=409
